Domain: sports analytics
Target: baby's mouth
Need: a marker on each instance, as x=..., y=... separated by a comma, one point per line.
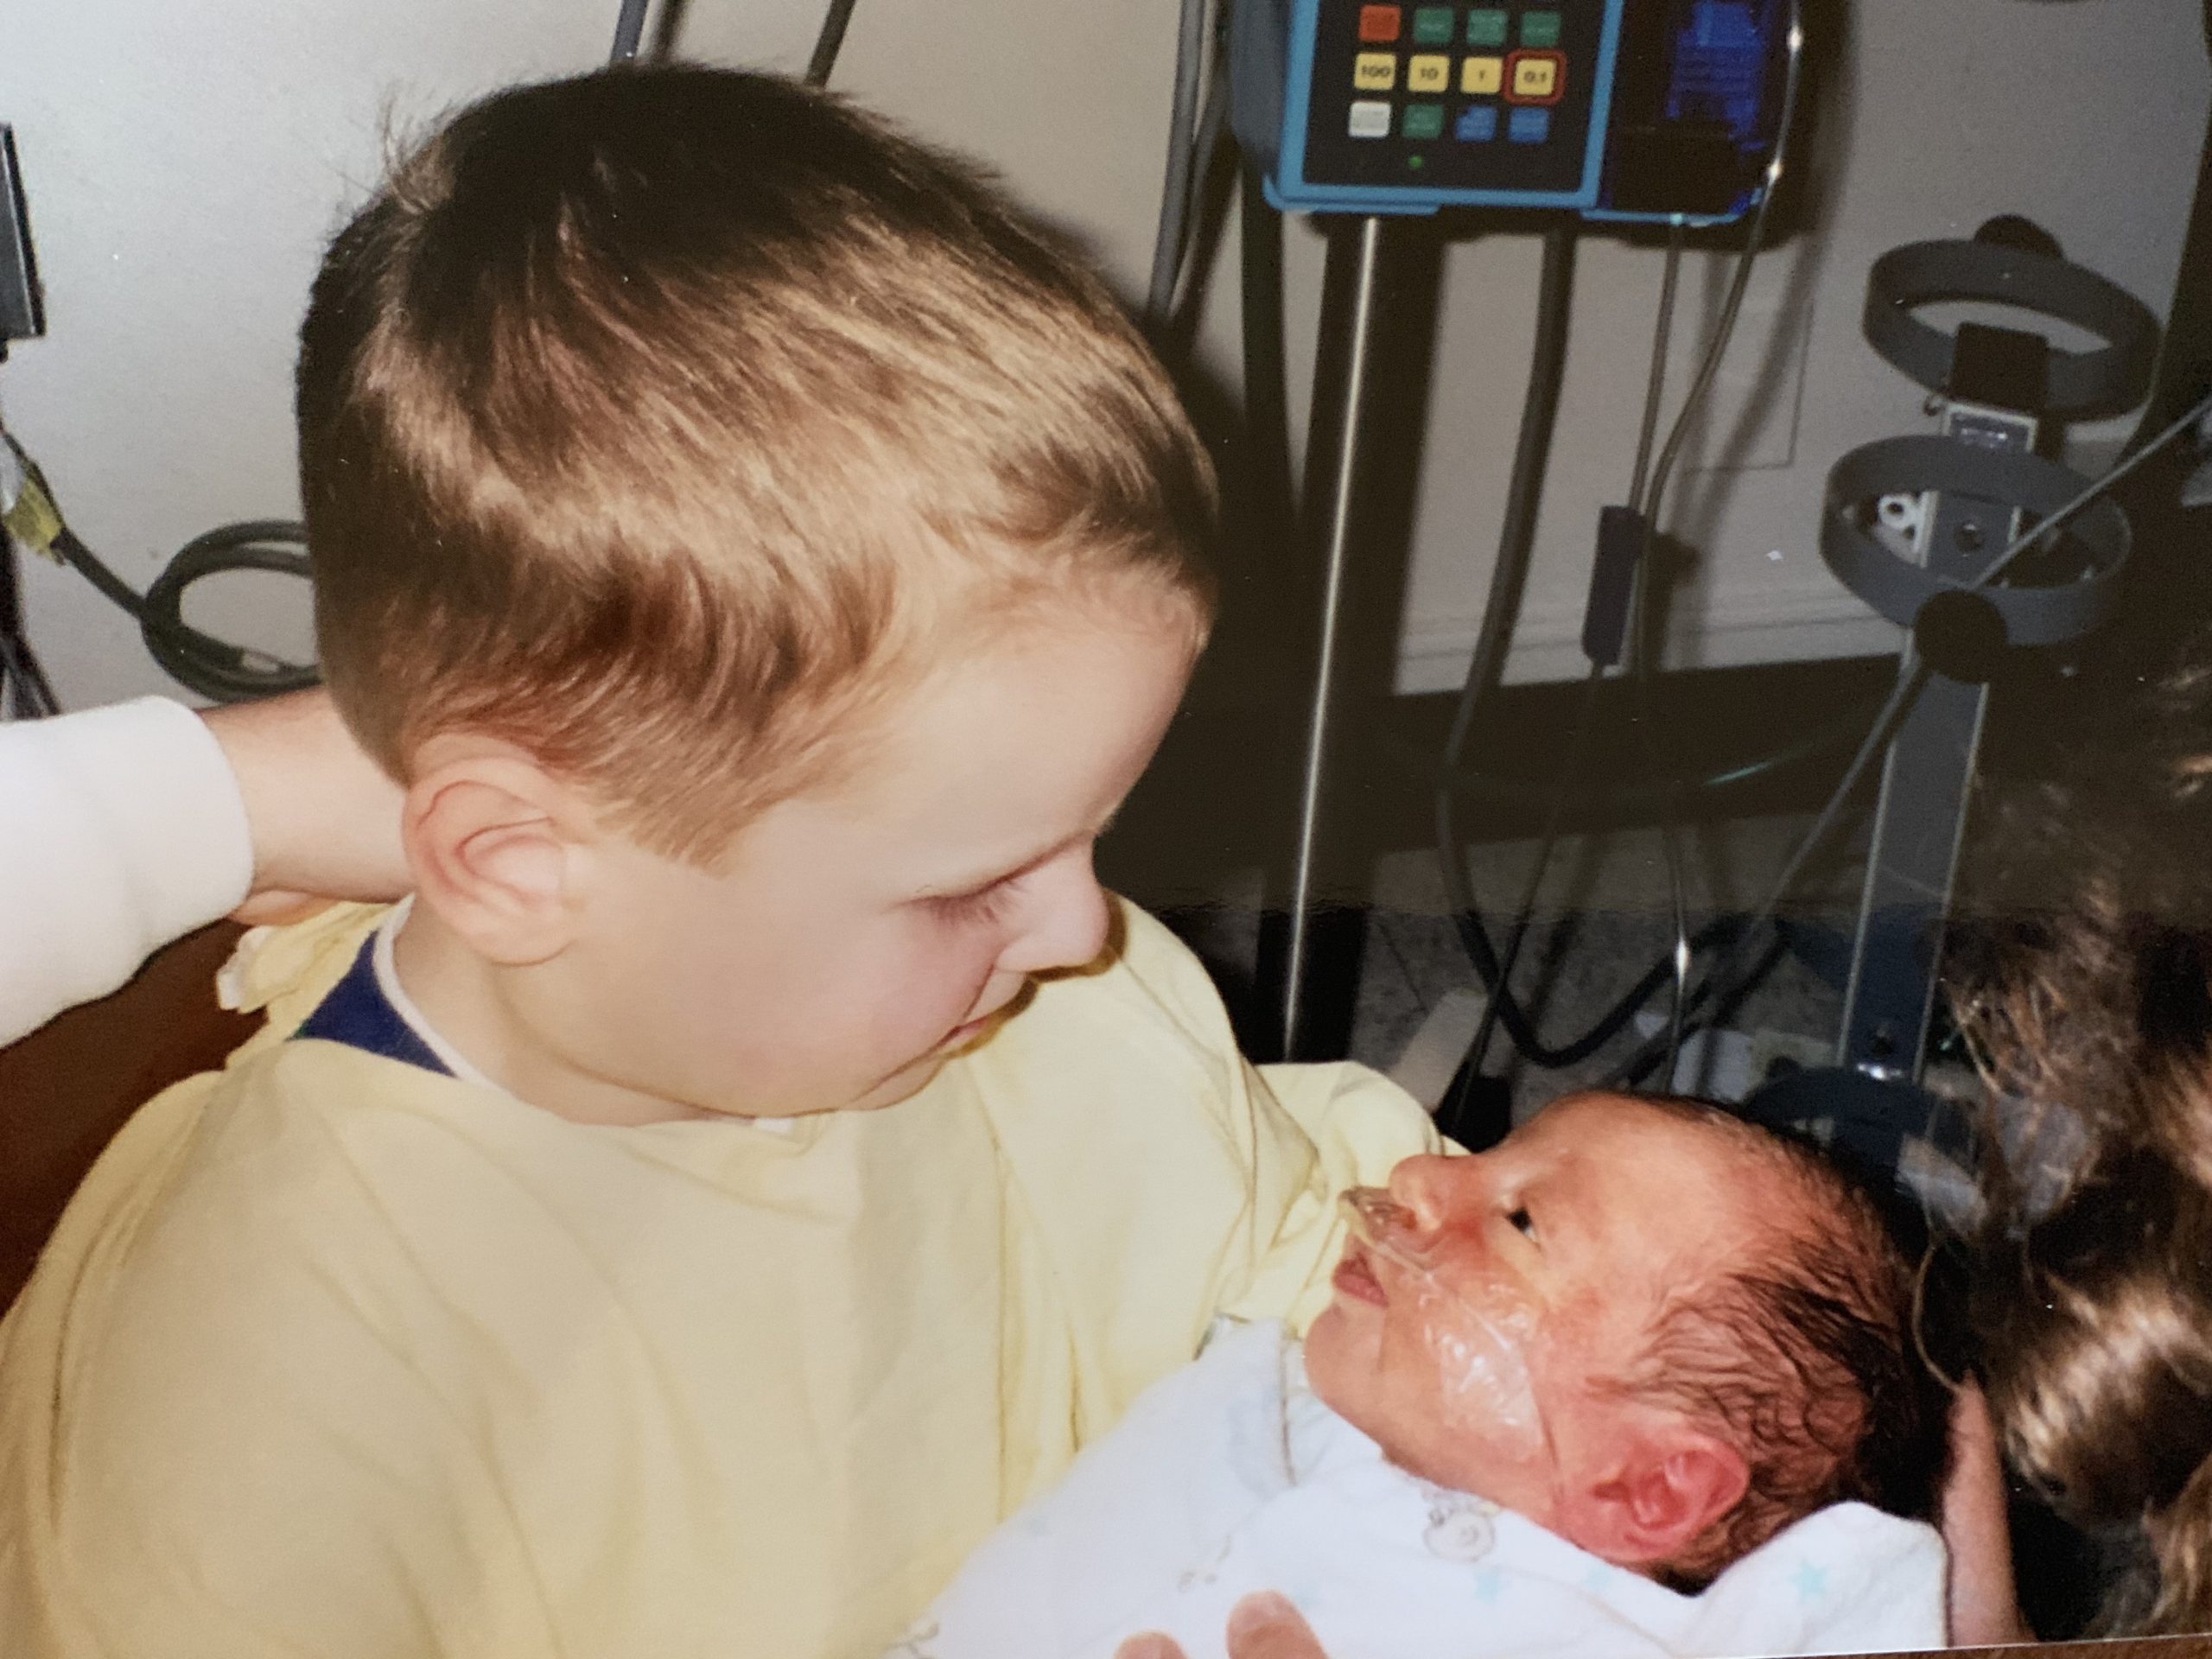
x=1356, y=1278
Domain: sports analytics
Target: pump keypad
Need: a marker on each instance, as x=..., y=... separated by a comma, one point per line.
x=1453, y=97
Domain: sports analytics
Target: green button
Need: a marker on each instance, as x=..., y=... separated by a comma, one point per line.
x=1485, y=28
x=1539, y=28
x=1432, y=25
x=1423, y=121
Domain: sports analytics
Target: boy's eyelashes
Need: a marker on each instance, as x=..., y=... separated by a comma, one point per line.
x=1518, y=1218
x=978, y=907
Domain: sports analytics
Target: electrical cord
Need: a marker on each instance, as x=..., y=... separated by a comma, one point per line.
x=1585, y=728
x=629, y=30
x=1900, y=703
x=1650, y=508
x=197, y=660
x=1173, y=234
x=1893, y=711
x=1485, y=670
x=25, y=692
x=1643, y=649
x=829, y=42
x=1207, y=216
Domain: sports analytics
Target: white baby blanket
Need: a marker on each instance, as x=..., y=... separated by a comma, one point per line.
x=1229, y=1477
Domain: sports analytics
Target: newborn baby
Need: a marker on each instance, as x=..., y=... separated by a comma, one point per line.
x=1638, y=1381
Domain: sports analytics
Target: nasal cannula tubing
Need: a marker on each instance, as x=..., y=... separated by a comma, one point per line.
x=1479, y=1353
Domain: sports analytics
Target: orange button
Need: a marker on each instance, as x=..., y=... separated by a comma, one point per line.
x=1428, y=73
x=1536, y=77
x=1378, y=23
x=1483, y=77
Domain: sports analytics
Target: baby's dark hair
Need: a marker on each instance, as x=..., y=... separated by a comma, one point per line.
x=1804, y=1361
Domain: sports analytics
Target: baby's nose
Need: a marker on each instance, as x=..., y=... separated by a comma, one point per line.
x=1429, y=1186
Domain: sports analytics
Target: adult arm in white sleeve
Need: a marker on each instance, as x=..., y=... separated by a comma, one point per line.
x=121, y=829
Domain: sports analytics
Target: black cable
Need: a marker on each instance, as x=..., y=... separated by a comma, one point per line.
x=830, y=41
x=1266, y=394
x=1524, y=910
x=1486, y=668
x=1494, y=638
x=1643, y=650
x=1894, y=710
x=196, y=660
x=25, y=692
x=1495, y=791
x=1643, y=647
x=629, y=29
x=1213, y=176
x=1168, y=240
x=1908, y=688
x=1651, y=505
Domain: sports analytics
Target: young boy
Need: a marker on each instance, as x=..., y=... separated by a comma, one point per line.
x=759, y=1156
x=1631, y=1382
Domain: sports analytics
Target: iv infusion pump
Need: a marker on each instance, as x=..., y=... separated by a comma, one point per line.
x=1619, y=109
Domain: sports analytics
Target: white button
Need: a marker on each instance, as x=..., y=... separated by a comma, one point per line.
x=1370, y=118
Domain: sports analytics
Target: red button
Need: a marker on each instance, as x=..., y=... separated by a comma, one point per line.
x=1379, y=22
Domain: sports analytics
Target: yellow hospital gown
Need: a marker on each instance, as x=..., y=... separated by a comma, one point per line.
x=333, y=1356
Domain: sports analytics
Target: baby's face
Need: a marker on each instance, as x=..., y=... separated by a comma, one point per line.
x=1481, y=1298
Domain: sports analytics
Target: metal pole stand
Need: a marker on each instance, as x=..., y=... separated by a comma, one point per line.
x=2000, y=385
x=1370, y=388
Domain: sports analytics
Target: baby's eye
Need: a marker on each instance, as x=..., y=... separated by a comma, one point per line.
x=1521, y=1222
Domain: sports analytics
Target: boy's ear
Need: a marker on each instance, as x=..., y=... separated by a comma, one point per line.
x=499, y=847
x=1661, y=1490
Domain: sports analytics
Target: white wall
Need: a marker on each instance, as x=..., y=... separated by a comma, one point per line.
x=186, y=158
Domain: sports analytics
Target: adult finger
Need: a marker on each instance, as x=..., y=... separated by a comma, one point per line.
x=1984, y=1607
x=1265, y=1626
x=1150, y=1645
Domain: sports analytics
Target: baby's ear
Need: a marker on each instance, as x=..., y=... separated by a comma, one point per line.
x=1667, y=1483
x=495, y=841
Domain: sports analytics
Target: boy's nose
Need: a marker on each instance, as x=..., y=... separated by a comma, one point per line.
x=1064, y=919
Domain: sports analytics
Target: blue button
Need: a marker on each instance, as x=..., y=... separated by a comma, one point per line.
x=1529, y=125
x=1477, y=123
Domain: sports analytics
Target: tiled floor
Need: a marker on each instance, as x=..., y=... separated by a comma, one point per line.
x=1603, y=918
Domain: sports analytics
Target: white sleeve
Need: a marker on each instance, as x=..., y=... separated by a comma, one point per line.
x=121, y=829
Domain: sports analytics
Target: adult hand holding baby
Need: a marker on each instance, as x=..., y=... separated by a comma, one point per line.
x=1264, y=1626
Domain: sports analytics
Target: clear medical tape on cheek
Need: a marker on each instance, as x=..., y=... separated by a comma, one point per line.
x=1476, y=1335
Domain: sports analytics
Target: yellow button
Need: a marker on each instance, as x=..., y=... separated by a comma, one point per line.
x=1536, y=77
x=1481, y=77
x=1428, y=73
x=1375, y=72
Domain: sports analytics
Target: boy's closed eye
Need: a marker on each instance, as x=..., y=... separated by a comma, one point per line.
x=978, y=907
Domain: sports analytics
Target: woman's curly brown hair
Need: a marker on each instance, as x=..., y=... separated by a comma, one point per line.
x=2081, y=970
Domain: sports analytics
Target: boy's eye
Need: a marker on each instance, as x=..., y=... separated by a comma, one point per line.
x=1521, y=1222
x=984, y=905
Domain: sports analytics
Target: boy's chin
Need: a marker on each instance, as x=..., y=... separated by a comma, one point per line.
x=901, y=1085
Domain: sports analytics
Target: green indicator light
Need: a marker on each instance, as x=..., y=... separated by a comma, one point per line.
x=1415, y=162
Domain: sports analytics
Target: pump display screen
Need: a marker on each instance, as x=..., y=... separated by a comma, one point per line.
x=1453, y=97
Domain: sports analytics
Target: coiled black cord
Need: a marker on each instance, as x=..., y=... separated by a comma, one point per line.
x=196, y=659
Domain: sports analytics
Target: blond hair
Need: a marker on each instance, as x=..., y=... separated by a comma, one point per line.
x=662, y=421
